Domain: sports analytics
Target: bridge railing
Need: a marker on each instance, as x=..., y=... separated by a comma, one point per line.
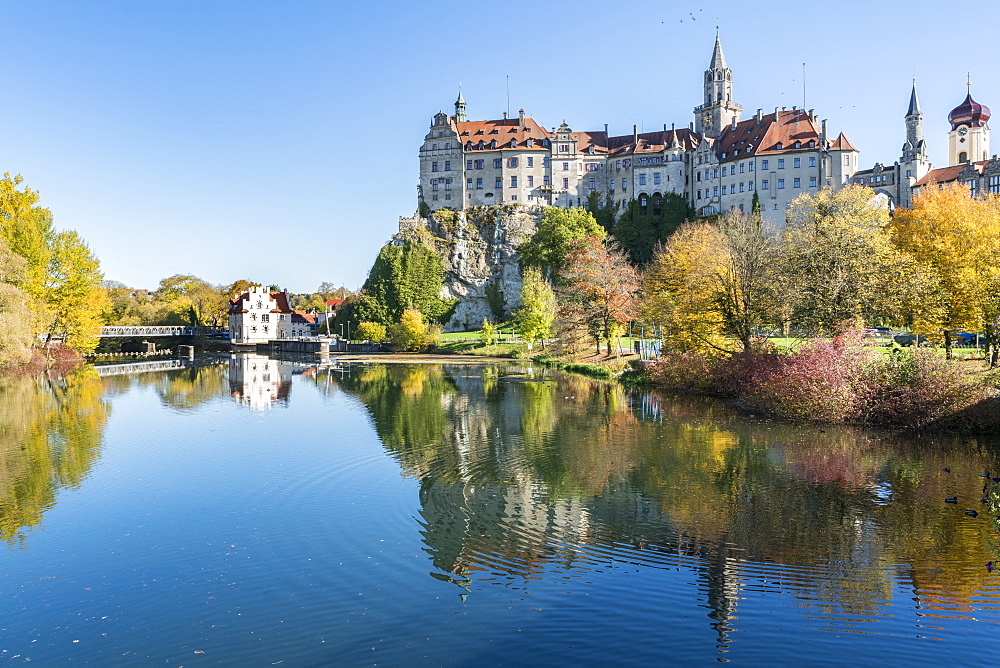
x=121, y=331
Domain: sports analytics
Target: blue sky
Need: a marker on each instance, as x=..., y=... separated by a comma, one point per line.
x=277, y=141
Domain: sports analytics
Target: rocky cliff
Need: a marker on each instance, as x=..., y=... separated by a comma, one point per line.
x=477, y=247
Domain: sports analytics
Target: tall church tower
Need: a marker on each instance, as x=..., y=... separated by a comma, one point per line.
x=915, y=162
x=718, y=110
x=460, y=108
x=969, y=138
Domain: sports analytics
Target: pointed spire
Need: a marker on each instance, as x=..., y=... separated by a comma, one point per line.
x=914, y=109
x=718, y=59
x=460, y=100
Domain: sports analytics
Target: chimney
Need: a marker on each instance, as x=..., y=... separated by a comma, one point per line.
x=760, y=115
x=520, y=117
x=734, y=123
x=691, y=126
x=635, y=135
x=505, y=115
x=812, y=114
x=664, y=127
x=605, y=128
x=775, y=113
x=822, y=134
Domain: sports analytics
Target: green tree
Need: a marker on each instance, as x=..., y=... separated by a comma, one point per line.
x=27, y=229
x=410, y=333
x=557, y=230
x=405, y=276
x=837, y=258
x=488, y=334
x=640, y=228
x=75, y=295
x=536, y=317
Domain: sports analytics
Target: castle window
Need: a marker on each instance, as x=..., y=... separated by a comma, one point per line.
x=468, y=164
x=447, y=196
x=812, y=160
x=545, y=162
x=699, y=194
x=497, y=163
x=434, y=185
x=642, y=179
x=742, y=167
x=656, y=178
x=592, y=183
x=963, y=157
x=468, y=183
x=994, y=184
x=741, y=186
x=528, y=142
x=715, y=191
x=480, y=164
x=434, y=166
x=715, y=173
x=763, y=164
x=764, y=184
x=749, y=185
x=531, y=161
x=565, y=166
x=482, y=145
x=796, y=183
x=974, y=187
x=493, y=143
x=724, y=171
x=624, y=184
x=513, y=198
x=434, y=197
x=447, y=184
x=812, y=143
x=513, y=182
x=499, y=183
x=434, y=147
x=847, y=159
x=812, y=181
x=512, y=162
x=564, y=148
x=796, y=162
x=447, y=165
x=723, y=190
x=531, y=181
x=781, y=163
x=546, y=181
x=479, y=184
x=513, y=143
x=750, y=166
x=781, y=183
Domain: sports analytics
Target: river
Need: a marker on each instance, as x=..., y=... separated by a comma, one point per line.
x=256, y=511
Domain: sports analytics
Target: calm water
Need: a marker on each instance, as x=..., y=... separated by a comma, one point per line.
x=260, y=512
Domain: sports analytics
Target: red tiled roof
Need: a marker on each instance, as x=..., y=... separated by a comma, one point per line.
x=842, y=143
x=947, y=174
x=282, y=300
x=335, y=303
x=502, y=130
x=236, y=304
x=302, y=317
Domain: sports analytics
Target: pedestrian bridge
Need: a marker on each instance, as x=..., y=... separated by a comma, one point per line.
x=160, y=330
x=104, y=370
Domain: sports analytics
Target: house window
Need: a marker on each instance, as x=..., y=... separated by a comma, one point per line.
x=796, y=162
x=512, y=162
x=847, y=159
x=497, y=163
x=724, y=171
x=545, y=162
x=468, y=183
x=741, y=186
x=479, y=184
x=564, y=148
x=723, y=190
x=545, y=180
x=715, y=173
x=778, y=146
x=565, y=166
x=715, y=191
x=447, y=184
x=624, y=184
x=434, y=185
x=796, y=183
x=698, y=176
x=513, y=182
x=781, y=183
x=812, y=181
x=763, y=184
x=781, y=163
x=531, y=160
x=742, y=167
x=656, y=178
x=265, y=317
x=480, y=164
x=994, y=184
x=565, y=183
x=592, y=183
x=618, y=164
x=974, y=187
x=448, y=196
x=749, y=185
x=751, y=166
x=499, y=183
x=531, y=181
x=468, y=164
x=513, y=198
x=812, y=160
x=763, y=164
x=434, y=166
x=642, y=179
x=434, y=198
x=699, y=194
x=447, y=165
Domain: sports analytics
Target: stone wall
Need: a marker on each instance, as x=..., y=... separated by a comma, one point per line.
x=478, y=249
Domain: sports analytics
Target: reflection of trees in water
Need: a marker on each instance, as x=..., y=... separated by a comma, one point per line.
x=518, y=477
x=50, y=437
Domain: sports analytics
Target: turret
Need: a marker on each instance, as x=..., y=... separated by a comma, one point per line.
x=460, y=108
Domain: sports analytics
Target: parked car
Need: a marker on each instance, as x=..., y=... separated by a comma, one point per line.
x=911, y=339
x=963, y=338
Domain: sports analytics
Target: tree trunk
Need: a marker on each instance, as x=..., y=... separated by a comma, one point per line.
x=947, y=344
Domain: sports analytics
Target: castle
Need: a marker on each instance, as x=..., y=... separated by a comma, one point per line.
x=717, y=164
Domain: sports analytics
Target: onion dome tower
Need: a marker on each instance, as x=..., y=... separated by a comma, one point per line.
x=969, y=138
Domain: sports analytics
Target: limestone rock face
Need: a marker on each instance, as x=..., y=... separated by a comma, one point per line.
x=477, y=247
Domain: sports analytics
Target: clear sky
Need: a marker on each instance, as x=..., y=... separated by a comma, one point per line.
x=277, y=141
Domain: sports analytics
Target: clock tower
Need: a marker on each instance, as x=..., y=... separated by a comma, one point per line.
x=719, y=110
x=969, y=137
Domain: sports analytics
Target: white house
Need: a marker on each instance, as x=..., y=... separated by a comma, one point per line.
x=259, y=316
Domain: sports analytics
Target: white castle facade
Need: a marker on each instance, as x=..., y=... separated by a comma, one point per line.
x=716, y=164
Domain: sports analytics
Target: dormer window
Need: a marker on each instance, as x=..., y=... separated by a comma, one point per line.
x=812, y=143
x=778, y=146
x=493, y=143
x=798, y=144
x=513, y=143
x=528, y=142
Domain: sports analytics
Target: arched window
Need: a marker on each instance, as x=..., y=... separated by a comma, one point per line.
x=963, y=157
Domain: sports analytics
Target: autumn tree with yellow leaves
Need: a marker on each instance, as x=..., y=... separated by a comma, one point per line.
x=955, y=239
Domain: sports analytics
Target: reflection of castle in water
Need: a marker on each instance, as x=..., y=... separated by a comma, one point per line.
x=259, y=382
